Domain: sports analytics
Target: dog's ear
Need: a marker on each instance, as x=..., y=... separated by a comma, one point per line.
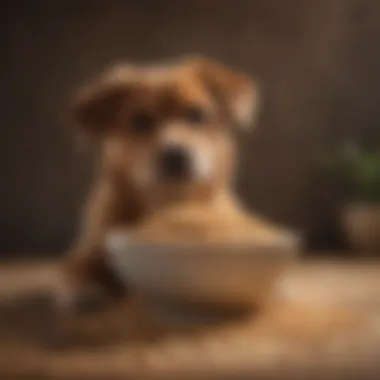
x=97, y=106
x=235, y=92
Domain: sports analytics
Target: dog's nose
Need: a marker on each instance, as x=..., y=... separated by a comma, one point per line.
x=174, y=162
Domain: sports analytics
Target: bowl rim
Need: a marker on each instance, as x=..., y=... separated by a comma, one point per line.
x=119, y=238
x=191, y=251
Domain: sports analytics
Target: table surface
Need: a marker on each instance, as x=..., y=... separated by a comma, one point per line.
x=327, y=319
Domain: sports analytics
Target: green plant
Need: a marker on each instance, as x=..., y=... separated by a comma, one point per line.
x=361, y=168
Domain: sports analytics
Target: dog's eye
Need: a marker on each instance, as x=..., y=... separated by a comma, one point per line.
x=195, y=115
x=142, y=123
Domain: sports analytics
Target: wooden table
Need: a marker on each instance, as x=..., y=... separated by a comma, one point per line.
x=327, y=321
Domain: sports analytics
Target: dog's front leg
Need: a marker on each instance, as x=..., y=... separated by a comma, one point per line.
x=85, y=278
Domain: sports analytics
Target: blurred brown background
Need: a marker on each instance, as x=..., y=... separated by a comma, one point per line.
x=318, y=62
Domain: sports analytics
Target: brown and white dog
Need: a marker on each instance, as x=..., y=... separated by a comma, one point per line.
x=166, y=136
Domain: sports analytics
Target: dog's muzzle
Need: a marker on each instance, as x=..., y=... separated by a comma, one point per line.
x=174, y=163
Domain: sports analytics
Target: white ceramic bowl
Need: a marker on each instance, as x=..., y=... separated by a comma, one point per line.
x=222, y=276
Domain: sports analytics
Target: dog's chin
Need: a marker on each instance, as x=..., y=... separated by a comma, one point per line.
x=151, y=180
x=174, y=188
x=178, y=185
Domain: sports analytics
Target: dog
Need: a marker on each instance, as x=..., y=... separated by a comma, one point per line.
x=166, y=161
x=165, y=135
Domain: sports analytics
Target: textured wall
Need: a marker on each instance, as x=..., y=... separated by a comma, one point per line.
x=318, y=62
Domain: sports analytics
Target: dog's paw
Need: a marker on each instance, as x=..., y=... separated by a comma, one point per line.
x=69, y=306
x=69, y=298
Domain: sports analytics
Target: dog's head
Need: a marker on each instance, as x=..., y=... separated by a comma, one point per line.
x=168, y=126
